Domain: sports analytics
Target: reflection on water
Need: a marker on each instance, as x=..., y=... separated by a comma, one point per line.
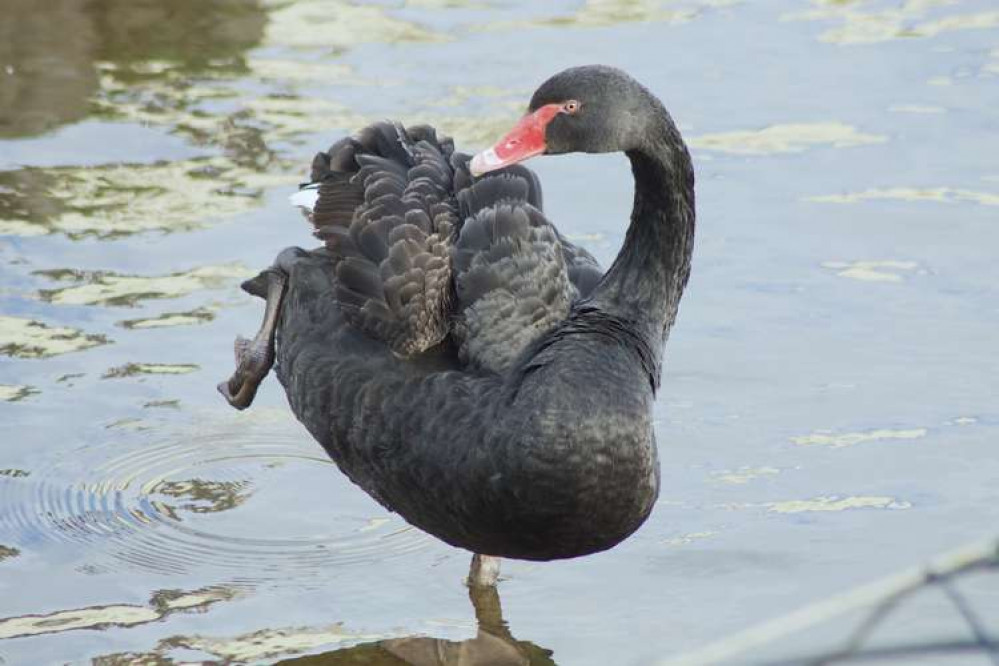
x=49, y=77
x=146, y=151
x=493, y=645
x=161, y=604
x=204, y=496
x=162, y=64
x=250, y=647
x=195, y=95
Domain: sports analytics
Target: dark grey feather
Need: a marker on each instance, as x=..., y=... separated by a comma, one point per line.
x=510, y=276
x=387, y=215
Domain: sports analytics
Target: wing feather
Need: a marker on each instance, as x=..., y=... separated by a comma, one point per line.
x=511, y=277
x=386, y=213
x=423, y=251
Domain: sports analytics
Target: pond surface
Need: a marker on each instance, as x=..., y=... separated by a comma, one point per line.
x=829, y=406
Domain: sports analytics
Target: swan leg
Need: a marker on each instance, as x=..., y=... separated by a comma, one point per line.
x=484, y=571
x=255, y=357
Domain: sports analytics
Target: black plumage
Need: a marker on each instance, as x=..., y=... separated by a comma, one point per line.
x=459, y=359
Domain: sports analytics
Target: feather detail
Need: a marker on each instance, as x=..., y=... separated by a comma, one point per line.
x=423, y=251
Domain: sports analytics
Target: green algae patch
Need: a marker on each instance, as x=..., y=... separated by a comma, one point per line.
x=743, y=475
x=174, y=600
x=29, y=338
x=844, y=439
x=118, y=200
x=16, y=392
x=338, y=25
x=289, y=117
x=14, y=473
x=921, y=109
x=161, y=604
x=128, y=424
x=689, y=538
x=787, y=138
x=286, y=71
x=162, y=404
x=170, y=319
x=860, y=23
x=607, y=13
x=826, y=504
x=944, y=195
x=106, y=288
x=883, y=270
x=138, y=369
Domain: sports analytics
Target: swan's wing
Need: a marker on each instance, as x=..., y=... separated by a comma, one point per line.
x=386, y=212
x=510, y=271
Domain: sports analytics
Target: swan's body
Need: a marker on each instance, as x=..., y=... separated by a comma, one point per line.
x=463, y=363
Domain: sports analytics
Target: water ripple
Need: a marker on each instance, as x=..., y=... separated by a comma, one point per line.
x=264, y=508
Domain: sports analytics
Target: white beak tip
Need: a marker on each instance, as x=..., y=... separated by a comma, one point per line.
x=484, y=162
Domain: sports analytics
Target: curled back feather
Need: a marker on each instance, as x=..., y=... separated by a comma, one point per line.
x=386, y=215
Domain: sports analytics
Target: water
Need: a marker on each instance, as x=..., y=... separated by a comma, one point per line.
x=828, y=411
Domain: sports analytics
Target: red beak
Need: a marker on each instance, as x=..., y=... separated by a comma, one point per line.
x=525, y=140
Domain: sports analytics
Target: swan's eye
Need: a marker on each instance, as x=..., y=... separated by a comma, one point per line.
x=572, y=106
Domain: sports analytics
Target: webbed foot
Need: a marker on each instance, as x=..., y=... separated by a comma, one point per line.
x=254, y=358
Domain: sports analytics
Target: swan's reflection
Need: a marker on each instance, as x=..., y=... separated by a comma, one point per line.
x=493, y=645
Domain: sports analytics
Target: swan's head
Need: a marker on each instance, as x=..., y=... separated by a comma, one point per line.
x=592, y=109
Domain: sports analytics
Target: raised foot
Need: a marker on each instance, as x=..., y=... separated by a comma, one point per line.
x=253, y=363
x=254, y=358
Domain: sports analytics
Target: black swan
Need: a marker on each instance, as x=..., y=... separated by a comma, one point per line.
x=460, y=360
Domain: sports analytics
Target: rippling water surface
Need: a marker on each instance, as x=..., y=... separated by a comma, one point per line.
x=828, y=411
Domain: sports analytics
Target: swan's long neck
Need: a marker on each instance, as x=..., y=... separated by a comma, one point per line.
x=644, y=285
